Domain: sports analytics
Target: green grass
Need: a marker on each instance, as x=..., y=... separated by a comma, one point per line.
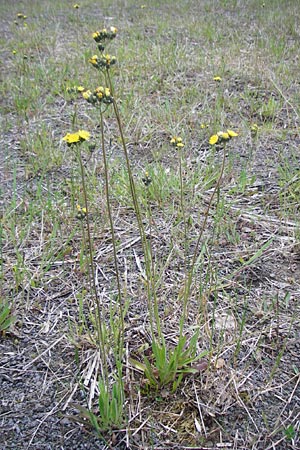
x=168, y=54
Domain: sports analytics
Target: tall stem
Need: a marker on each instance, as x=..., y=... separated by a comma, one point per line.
x=99, y=315
x=182, y=206
x=111, y=223
x=152, y=271
x=206, y=214
x=146, y=252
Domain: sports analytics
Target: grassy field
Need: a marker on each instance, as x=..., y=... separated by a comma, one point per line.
x=150, y=267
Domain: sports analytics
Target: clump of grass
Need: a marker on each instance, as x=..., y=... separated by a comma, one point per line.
x=7, y=318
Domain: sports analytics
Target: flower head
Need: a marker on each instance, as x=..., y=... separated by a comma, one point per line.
x=94, y=60
x=76, y=6
x=87, y=94
x=104, y=34
x=213, y=139
x=98, y=96
x=76, y=138
x=81, y=211
x=113, y=30
x=222, y=137
x=176, y=141
x=109, y=60
x=83, y=135
x=147, y=179
x=232, y=133
x=217, y=78
x=74, y=89
x=102, y=62
x=254, y=129
x=71, y=138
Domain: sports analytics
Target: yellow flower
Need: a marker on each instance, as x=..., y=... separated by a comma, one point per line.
x=217, y=78
x=14, y=52
x=81, y=212
x=147, y=179
x=254, y=128
x=86, y=95
x=177, y=141
x=71, y=138
x=113, y=30
x=76, y=138
x=76, y=6
x=99, y=95
x=222, y=135
x=78, y=207
x=96, y=34
x=83, y=135
x=80, y=88
x=94, y=60
x=108, y=58
x=232, y=133
x=203, y=125
x=99, y=91
x=213, y=139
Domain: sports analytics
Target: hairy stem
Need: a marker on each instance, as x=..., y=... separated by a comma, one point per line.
x=111, y=223
x=94, y=287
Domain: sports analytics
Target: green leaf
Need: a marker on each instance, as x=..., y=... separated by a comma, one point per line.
x=137, y=364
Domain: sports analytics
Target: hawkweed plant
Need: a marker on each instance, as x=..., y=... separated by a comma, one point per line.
x=165, y=365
